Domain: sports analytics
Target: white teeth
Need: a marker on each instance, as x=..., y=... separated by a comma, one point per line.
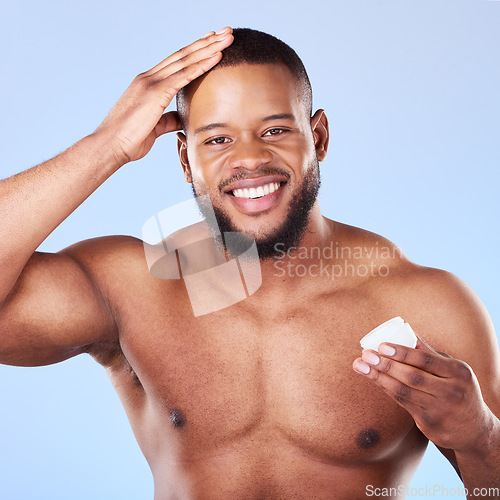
x=256, y=192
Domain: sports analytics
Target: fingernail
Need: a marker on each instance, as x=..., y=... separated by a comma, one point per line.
x=222, y=31
x=387, y=350
x=371, y=357
x=362, y=367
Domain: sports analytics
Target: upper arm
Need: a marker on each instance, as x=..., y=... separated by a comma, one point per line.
x=472, y=338
x=449, y=316
x=458, y=324
x=54, y=312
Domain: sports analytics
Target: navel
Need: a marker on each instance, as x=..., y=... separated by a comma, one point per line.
x=177, y=418
x=368, y=439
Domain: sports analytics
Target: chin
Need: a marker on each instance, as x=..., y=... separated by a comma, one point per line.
x=260, y=227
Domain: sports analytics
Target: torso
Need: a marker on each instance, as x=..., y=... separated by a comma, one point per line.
x=259, y=400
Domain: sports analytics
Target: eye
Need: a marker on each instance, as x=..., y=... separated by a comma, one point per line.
x=218, y=140
x=274, y=131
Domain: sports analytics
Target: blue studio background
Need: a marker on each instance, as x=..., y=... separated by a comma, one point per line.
x=411, y=91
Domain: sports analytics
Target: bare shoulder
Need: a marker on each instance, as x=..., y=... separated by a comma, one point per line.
x=104, y=247
x=442, y=309
x=362, y=247
x=440, y=306
x=114, y=264
x=451, y=318
x=64, y=304
x=460, y=321
x=122, y=269
x=109, y=257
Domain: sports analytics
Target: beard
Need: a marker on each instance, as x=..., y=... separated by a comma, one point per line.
x=292, y=229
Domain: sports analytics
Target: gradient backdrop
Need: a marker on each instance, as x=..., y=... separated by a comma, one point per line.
x=411, y=91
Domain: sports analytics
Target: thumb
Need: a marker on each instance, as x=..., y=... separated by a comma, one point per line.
x=169, y=122
x=424, y=346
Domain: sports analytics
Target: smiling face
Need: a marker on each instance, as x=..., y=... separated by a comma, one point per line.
x=252, y=146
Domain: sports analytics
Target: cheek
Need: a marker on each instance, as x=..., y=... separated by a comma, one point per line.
x=210, y=167
x=201, y=167
x=206, y=177
x=297, y=156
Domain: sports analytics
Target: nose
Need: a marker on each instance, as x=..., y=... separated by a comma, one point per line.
x=249, y=154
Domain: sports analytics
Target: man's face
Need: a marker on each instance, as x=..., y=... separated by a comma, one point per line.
x=251, y=148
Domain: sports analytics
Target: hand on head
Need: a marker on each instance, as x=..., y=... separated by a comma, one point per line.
x=139, y=117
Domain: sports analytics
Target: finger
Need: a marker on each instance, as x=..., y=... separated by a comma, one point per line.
x=422, y=344
x=174, y=82
x=403, y=374
x=424, y=358
x=169, y=122
x=209, y=45
x=207, y=39
x=413, y=409
x=400, y=392
x=201, y=42
x=204, y=52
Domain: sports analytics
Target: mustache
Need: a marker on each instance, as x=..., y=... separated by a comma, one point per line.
x=266, y=170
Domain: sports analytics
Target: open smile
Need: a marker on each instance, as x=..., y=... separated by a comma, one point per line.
x=252, y=196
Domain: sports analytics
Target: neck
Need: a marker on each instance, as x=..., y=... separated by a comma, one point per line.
x=276, y=270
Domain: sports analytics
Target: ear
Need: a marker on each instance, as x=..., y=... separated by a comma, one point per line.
x=321, y=133
x=183, y=156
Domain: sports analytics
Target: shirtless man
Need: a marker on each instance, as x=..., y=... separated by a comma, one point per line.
x=259, y=399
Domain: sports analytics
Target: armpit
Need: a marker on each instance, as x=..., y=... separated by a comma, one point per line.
x=111, y=357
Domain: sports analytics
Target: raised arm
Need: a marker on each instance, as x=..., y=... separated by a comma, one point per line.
x=51, y=306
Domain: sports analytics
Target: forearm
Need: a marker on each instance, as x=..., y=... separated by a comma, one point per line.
x=33, y=203
x=480, y=468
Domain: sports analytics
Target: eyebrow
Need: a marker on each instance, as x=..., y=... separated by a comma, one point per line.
x=280, y=116
x=211, y=126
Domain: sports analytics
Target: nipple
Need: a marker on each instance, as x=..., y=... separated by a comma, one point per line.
x=368, y=439
x=177, y=418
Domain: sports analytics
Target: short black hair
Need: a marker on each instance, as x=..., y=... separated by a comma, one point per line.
x=256, y=47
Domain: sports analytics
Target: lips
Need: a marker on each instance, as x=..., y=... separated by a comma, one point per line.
x=254, y=195
x=259, y=204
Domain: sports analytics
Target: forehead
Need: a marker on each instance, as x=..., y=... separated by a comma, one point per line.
x=243, y=93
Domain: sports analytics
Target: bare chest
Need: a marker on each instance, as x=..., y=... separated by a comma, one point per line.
x=283, y=373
